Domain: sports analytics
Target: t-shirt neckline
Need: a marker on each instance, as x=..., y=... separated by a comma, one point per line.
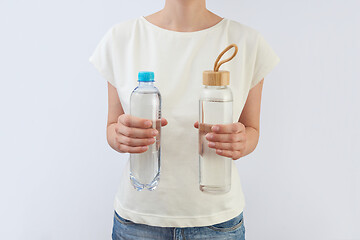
x=217, y=25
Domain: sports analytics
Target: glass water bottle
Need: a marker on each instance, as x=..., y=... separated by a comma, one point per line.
x=216, y=107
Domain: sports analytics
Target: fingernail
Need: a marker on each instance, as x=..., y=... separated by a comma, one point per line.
x=209, y=136
x=147, y=123
x=215, y=128
x=151, y=140
x=211, y=144
x=155, y=132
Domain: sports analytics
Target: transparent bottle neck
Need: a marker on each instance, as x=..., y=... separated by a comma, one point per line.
x=146, y=83
x=215, y=87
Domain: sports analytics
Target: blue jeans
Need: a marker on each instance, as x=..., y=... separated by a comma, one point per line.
x=124, y=229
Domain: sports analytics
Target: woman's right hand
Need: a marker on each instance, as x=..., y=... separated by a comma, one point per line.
x=133, y=134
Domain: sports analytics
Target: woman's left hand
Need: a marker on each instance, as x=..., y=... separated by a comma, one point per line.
x=229, y=140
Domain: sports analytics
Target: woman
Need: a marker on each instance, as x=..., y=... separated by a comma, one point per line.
x=178, y=43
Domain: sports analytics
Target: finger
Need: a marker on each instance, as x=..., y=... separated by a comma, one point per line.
x=228, y=128
x=196, y=124
x=238, y=146
x=135, y=132
x=134, y=142
x=132, y=121
x=230, y=154
x=127, y=149
x=164, y=122
x=229, y=138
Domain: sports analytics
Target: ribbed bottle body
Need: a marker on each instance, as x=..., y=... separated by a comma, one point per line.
x=145, y=102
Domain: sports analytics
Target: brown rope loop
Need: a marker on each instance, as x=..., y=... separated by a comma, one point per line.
x=217, y=64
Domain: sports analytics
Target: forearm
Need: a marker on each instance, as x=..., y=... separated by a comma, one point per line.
x=252, y=138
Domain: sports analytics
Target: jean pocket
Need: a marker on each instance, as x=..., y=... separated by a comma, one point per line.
x=230, y=225
x=122, y=220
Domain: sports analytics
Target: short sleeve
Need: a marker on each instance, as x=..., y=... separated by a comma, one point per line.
x=265, y=60
x=102, y=57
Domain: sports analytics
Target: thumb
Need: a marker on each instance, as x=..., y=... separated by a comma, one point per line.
x=164, y=122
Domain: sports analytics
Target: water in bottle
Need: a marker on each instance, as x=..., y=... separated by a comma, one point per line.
x=145, y=102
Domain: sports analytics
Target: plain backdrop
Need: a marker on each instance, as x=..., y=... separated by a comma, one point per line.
x=58, y=176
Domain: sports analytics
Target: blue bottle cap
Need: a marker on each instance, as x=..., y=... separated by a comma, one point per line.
x=145, y=76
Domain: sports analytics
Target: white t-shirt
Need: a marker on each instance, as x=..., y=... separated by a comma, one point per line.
x=178, y=60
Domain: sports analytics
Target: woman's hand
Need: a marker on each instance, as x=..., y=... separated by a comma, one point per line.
x=133, y=134
x=229, y=140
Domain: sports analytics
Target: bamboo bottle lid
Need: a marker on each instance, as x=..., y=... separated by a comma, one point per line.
x=216, y=77
x=219, y=78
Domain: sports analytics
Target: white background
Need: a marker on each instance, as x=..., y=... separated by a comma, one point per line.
x=58, y=176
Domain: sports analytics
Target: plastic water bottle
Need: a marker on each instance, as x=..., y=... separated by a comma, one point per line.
x=215, y=107
x=145, y=102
